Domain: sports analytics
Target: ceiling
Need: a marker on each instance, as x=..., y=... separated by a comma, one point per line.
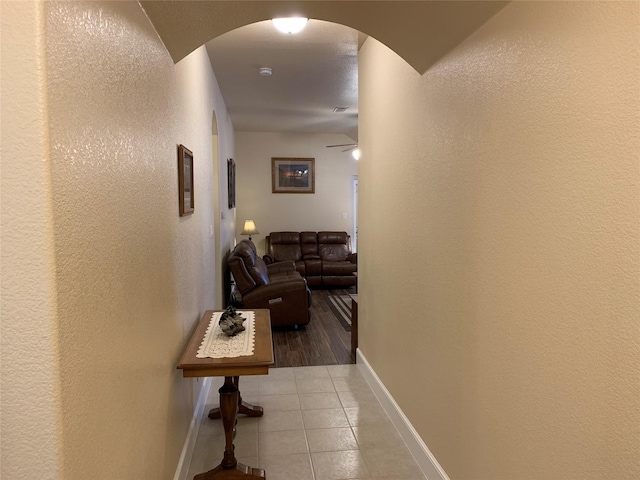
x=314, y=72
x=419, y=31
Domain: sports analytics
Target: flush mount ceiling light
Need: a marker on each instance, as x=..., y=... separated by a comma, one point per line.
x=290, y=25
x=265, y=71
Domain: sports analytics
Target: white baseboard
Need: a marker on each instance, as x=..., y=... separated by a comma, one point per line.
x=423, y=457
x=182, y=469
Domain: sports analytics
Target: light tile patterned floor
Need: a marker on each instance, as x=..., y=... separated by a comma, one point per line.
x=320, y=423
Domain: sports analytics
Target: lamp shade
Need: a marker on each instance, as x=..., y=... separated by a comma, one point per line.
x=249, y=228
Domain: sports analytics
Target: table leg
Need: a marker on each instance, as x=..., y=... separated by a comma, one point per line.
x=230, y=469
x=244, y=408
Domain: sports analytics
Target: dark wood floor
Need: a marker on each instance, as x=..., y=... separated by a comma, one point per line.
x=323, y=341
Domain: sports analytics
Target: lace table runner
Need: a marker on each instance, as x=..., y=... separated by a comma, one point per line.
x=218, y=345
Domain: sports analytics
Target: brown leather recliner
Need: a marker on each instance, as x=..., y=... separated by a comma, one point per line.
x=278, y=287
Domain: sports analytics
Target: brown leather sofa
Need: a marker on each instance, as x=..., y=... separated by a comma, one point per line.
x=278, y=287
x=323, y=258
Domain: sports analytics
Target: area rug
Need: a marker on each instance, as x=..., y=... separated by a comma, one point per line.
x=340, y=305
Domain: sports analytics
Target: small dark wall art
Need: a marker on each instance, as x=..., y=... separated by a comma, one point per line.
x=185, y=179
x=293, y=175
x=231, y=182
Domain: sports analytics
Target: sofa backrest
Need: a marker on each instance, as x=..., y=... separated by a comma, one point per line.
x=334, y=246
x=284, y=246
x=309, y=243
x=247, y=268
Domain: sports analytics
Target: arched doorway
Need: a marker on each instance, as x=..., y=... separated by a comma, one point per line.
x=421, y=33
x=219, y=265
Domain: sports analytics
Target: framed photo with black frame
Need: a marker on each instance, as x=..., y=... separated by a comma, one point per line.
x=231, y=182
x=293, y=175
x=185, y=180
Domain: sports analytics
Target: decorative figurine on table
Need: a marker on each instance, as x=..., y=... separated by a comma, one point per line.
x=231, y=322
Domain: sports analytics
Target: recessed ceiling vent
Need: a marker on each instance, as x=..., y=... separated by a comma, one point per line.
x=340, y=109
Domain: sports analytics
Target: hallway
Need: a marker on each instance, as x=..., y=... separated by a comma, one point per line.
x=498, y=234
x=320, y=423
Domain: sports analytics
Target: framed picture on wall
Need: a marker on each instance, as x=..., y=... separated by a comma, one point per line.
x=185, y=180
x=293, y=175
x=231, y=182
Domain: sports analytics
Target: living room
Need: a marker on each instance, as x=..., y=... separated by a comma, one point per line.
x=302, y=103
x=331, y=207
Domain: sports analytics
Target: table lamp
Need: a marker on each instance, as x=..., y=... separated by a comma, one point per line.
x=249, y=228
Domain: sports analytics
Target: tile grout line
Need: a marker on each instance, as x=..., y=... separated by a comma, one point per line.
x=306, y=439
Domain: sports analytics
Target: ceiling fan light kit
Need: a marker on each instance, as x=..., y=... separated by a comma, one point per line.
x=350, y=146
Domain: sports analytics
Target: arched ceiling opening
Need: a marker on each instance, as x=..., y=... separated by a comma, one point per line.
x=420, y=32
x=311, y=85
x=315, y=74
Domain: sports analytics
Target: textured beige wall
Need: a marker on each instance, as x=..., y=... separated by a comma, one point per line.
x=499, y=246
x=294, y=212
x=132, y=278
x=30, y=398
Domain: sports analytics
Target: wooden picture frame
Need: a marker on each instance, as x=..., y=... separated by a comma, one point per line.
x=293, y=175
x=185, y=180
x=231, y=182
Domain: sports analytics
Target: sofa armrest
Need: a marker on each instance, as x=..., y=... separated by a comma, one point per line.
x=353, y=258
x=264, y=293
x=288, y=300
x=286, y=266
x=311, y=257
x=268, y=259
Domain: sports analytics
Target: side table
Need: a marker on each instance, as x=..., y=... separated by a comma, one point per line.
x=230, y=400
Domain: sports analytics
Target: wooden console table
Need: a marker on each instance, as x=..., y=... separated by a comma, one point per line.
x=230, y=400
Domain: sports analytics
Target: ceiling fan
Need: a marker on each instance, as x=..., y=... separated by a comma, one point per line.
x=350, y=146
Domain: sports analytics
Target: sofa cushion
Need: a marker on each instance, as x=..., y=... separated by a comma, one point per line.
x=285, y=246
x=285, y=238
x=244, y=281
x=288, y=281
x=259, y=271
x=338, y=268
x=333, y=246
x=254, y=265
x=309, y=244
x=313, y=267
x=282, y=252
x=338, y=281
